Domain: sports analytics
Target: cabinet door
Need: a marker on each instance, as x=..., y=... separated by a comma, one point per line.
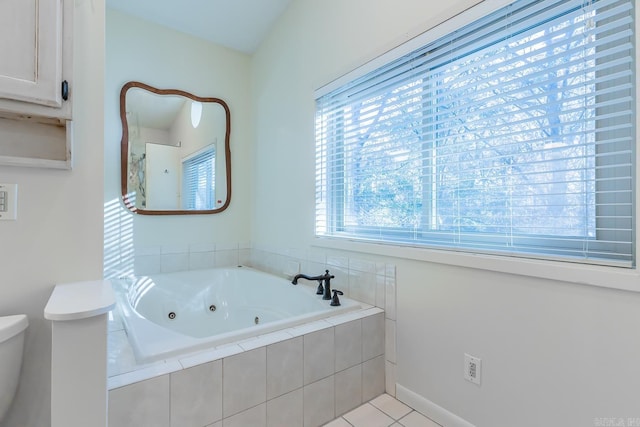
x=31, y=51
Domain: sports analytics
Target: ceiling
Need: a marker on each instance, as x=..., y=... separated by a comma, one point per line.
x=237, y=24
x=152, y=111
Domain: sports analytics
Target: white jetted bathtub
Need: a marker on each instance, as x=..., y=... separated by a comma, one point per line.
x=175, y=313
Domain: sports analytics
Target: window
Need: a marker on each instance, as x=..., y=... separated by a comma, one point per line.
x=198, y=179
x=513, y=135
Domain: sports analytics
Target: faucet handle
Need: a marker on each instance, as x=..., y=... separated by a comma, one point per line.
x=320, y=289
x=335, y=301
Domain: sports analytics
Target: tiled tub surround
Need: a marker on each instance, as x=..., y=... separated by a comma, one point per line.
x=370, y=282
x=301, y=376
x=363, y=280
x=170, y=258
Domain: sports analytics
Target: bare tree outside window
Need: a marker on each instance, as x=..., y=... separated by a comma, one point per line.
x=503, y=140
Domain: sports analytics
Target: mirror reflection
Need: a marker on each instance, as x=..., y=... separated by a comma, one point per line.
x=175, y=151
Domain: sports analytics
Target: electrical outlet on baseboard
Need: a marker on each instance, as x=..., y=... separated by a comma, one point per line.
x=472, y=368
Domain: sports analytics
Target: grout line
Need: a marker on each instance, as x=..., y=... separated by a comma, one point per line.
x=395, y=420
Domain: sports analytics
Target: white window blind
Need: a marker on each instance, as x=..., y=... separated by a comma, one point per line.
x=198, y=179
x=512, y=135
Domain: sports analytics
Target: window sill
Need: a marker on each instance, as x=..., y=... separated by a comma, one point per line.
x=608, y=277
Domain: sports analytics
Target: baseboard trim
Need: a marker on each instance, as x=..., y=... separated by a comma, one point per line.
x=430, y=409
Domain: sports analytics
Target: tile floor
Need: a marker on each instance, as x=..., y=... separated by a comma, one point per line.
x=383, y=411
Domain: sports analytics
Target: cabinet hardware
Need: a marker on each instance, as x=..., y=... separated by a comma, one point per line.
x=65, y=90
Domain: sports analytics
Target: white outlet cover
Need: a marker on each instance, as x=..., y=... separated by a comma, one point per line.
x=472, y=368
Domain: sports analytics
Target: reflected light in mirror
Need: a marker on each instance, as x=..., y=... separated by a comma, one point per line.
x=196, y=113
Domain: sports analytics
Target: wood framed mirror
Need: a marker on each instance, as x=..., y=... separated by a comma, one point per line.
x=174, y=153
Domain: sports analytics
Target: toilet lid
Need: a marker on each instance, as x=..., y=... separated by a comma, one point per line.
x=12, y=325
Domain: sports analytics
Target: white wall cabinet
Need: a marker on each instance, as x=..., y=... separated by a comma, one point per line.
x=36, y=68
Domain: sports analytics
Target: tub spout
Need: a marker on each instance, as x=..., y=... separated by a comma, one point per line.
x=325, y=290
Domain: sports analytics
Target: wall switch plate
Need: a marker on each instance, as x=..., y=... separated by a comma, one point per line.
x=472, y=368
x=8, y=202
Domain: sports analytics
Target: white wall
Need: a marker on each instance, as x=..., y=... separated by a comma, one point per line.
x=142, y=51
x=57, y=237
x=553, y=353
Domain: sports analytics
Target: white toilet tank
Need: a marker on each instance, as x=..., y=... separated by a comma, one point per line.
x=11, y=347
